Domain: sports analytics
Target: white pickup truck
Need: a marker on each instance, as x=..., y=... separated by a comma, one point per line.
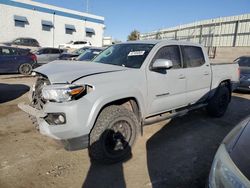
x=104, y=104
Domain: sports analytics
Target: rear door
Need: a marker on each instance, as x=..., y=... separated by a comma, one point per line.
x=198, y=73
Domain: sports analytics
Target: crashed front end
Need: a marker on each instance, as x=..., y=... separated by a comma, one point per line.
x=55, y=110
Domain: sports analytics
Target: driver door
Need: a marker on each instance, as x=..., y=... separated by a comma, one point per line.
x=166, y=87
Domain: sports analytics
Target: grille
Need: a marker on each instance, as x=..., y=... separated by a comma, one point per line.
x=37, y=100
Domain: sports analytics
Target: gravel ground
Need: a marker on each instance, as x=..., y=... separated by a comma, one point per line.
x=177, y=153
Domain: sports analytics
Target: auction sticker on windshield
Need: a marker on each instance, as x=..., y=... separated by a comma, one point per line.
x=136, y=53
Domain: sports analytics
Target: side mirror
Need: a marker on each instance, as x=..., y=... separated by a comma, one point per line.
x=162, y=64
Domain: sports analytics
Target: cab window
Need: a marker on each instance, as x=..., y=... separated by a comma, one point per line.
x=170, y=53
x=192, y=56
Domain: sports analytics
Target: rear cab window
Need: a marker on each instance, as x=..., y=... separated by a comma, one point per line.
x=192, y=56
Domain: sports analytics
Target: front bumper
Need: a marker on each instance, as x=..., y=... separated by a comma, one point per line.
x=73, y=134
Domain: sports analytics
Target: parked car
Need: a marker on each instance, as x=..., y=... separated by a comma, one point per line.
x=244, y=63
x=89, y=54
x=75, y=44
x=14, y=60
x=71, y=55
x=29, y=43
x=231, y=165
x=46, y=55
x=104, y=104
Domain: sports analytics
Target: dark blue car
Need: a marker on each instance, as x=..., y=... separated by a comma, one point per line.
x=16, y=60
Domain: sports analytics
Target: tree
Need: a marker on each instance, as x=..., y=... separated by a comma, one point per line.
x=134, y=35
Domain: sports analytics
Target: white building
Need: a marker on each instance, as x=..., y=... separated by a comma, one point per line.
x=50, y=25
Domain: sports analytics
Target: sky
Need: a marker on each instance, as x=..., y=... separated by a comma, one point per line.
x=122, y=17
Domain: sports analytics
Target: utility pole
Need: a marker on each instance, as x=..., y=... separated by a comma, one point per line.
x=87, y=6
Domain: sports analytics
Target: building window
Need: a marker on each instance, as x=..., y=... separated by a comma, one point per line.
x=47, y=25
x=20, y=21
x=70, y=29
x=19, y=24
x=89, y=32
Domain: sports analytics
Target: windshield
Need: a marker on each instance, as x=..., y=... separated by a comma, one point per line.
x=127, y=55
x=88, y=54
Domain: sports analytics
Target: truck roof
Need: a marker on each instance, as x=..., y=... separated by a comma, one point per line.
x=178, y=42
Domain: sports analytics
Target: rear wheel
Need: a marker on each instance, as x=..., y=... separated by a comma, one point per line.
x=25, y=69
x=113, y=135
x=218, y=104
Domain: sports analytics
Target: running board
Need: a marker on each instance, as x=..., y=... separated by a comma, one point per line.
x=168, y=115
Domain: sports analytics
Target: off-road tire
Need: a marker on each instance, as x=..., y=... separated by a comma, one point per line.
x=107, y=121
x=218, y=104
x=25, y=69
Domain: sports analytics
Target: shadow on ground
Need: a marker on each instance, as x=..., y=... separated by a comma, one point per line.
x=107, y=175
x=9, y=92
x=181, y=153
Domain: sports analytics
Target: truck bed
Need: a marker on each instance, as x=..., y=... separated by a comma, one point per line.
x=224, y=71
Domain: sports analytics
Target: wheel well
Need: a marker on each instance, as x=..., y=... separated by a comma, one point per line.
x=130, y=104
x=227, y=84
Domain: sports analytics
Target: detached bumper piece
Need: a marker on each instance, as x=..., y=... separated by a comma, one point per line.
x=78, y=143
x=31, y=111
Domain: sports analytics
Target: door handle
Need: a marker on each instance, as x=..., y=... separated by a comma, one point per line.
x=181, y=76
x=206, y=73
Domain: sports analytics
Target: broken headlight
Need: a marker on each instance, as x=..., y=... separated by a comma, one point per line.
x=63, y=93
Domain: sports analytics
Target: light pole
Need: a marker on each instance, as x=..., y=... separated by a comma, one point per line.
x=87, y=6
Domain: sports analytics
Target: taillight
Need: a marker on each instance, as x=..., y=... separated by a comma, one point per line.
x=33, y=57
x=239, y=72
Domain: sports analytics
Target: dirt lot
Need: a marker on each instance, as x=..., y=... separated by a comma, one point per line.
x=170, y=154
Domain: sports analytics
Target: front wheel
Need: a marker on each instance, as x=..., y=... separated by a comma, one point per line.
x=113, y=135
x=25, y=69
x=218, y=104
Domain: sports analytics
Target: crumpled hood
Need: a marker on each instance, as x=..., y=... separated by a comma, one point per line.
x=70, y=71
